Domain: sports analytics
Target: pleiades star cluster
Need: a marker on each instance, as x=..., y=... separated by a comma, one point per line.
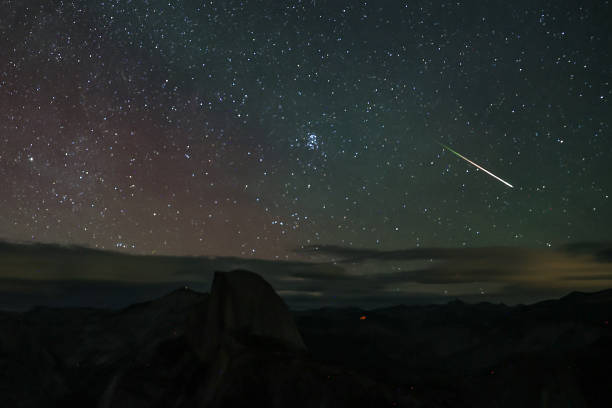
x=255, y=128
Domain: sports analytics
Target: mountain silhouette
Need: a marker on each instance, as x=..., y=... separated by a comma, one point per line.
x=240, y=346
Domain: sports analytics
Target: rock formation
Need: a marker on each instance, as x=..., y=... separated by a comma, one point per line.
x=243, y=311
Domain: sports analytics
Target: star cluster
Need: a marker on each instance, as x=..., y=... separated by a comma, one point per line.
x=255, y=128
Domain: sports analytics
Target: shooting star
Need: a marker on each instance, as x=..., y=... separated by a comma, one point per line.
x=472, y=163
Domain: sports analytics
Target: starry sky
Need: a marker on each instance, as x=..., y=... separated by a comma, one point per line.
x=266, y=128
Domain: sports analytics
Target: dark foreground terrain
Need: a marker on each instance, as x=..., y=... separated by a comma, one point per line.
x=239, y=346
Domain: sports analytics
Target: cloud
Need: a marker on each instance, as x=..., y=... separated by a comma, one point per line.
x=602, y=251
x=506, y=273
x=335, y=275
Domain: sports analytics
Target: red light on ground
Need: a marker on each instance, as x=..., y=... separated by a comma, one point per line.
x=362, y=318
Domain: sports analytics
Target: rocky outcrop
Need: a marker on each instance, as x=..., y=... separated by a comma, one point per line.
x=243, y=311
x=242, y=349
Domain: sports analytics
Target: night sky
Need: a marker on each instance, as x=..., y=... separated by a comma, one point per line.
x=261, y=128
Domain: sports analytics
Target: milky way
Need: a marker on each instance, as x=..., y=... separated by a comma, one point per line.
x=256, y=128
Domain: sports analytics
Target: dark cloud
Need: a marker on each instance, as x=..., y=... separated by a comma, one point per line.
x=340, y=254
x=53, y=275
x=350, y=254
x=600, y=250
x=595, y=277
x=506, y=274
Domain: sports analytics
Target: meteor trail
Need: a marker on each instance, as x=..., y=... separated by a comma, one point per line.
x=471, y=162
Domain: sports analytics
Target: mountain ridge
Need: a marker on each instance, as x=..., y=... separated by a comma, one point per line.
x=453, y=354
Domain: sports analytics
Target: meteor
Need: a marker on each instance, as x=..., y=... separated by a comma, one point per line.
x=474, y=164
